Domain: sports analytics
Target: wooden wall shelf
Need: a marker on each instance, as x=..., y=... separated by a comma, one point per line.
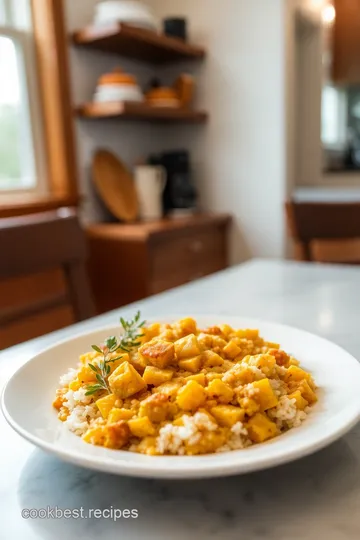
x=139, y=111
x=136, y=43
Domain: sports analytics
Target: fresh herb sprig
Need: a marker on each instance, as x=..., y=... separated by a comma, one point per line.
x=102, y=370
x=132, y=332
x=127, y=341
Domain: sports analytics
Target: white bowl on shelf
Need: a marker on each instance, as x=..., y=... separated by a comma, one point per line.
x=127, y=11
x=117, y=92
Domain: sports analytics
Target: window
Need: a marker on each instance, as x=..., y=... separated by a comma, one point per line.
x=21, y=167
x=38, y=169
x=334, y=119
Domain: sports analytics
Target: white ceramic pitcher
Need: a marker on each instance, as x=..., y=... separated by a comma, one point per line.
x=150, y=182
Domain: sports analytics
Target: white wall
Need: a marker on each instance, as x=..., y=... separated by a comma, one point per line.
x=240, y=156
x=130, y=141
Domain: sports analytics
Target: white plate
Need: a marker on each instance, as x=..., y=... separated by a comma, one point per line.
x=27, y=397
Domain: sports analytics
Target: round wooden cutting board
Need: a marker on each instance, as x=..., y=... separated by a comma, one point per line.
x=115, y=185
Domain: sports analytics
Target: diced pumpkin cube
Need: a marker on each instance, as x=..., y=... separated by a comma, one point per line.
x=231, y=349
x=121, y=357
x=86, y=375
x=105, y=404
x=212, y=359
x=251, y=333
x=214, y=330
x=125, y=381
x=226, y=330
x=204, y=341
x=138, y=361
x=209, y=442
x=110, y=436
x=168, y=335
x=247, y=333
x=307, y=392
x=293, y=361
x=158, y=352
x=115, y=415
x=155, y=376
x=271, y=345
x=266, y=395
x=301, y=402
x=116, y=435
x=220, y=390
x=218, y=342
x=147, y=445
x=265, y=362
x=141, y=427
x=75, y=385
x=260, y=428
x=294, y=373
x=199, y=378
x=186, y=326
x=170, y=388
x=59, y=399
x=187, y=347
x=94, y=435
x=249, y=405
x=227, y=415
x=89, y=357
x=212, y=376
x=151, y=331
x=157, y=407
x=281, y=357
x=191, y=364
x=191, y=396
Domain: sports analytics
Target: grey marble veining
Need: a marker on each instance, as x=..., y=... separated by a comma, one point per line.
x=315, y=496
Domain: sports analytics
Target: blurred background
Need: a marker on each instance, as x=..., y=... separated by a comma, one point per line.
x=146, y=144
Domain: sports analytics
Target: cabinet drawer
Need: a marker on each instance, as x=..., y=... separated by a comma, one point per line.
x=178, y=260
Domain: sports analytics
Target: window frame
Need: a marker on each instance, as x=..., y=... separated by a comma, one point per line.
x=53, y=81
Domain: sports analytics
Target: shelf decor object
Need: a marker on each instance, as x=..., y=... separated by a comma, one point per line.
x=115, y=185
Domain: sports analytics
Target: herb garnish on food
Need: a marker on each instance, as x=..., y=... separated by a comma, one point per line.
x=126, y=342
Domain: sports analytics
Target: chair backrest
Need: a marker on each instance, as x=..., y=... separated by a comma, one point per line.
x=40, y=242
x=325, y=232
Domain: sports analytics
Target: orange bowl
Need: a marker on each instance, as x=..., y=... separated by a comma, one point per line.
x=117, y=77
x=162, y=92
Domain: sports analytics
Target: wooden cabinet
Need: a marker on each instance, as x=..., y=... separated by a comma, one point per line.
x=130, y=262
x=346, y=42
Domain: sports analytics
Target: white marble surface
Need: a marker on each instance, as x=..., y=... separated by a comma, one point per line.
x=316, y=496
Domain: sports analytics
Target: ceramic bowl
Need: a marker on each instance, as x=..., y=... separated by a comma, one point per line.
x=127, y=11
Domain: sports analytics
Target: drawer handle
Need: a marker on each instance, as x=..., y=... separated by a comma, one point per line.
x=196, y=246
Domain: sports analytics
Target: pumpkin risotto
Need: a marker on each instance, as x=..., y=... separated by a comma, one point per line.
x=176, y=389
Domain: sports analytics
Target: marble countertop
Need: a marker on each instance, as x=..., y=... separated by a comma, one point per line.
x=316, y=496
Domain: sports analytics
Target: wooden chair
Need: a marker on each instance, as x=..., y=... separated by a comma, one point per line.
x=41, y=242
x=325, y=232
